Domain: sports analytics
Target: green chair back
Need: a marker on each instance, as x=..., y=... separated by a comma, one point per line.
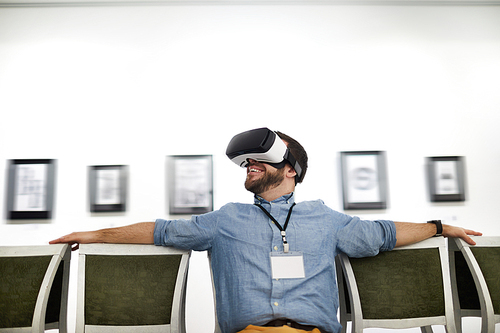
x=400, y=284
x=129, y=290
x=34, y=287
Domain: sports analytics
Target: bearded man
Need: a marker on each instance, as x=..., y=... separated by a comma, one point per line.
x=247, y=242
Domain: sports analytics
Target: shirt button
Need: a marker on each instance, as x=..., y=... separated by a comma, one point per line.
x=275, y=248
x=276, y=304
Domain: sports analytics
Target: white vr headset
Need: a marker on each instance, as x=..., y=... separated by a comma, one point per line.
x=262, y=145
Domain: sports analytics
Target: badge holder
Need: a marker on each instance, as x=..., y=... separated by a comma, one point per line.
x=288, y=265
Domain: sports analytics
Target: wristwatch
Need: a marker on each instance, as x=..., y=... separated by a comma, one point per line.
x=439, y=227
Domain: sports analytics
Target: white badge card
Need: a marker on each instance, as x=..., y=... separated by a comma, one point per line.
x=287, y=265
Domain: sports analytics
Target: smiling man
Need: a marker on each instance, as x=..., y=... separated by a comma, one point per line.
x=248, y=244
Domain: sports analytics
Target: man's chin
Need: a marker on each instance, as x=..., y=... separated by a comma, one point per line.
x=249, y=187
x=258, y=184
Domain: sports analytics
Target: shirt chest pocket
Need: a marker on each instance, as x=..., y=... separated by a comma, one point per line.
x=309, y=238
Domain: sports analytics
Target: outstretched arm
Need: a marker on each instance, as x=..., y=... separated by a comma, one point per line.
x=409, y=233
x=139, y=233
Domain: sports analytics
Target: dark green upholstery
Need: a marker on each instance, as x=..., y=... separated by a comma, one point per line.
x=129, y=290
x=400, y=284
x=488, y=259
x=20, y=282
x=467, y=292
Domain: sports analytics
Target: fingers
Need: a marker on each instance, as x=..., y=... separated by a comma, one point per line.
x=68, y=239
x=457, y=232
x=63, y=239
x=56, y=241
x=473, y=233
x=466, y=238
x=469, y=240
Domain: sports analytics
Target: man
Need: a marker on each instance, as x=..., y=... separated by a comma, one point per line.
x=273, y=262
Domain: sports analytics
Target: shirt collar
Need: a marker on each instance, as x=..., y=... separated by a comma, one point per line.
x=286, y=199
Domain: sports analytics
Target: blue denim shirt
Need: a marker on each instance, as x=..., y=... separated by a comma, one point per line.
x=240, y=238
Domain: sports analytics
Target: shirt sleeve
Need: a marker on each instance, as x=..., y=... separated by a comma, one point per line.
x=196, y=233
x=365, y=238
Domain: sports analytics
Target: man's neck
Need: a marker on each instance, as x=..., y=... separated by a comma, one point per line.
x=275, y=193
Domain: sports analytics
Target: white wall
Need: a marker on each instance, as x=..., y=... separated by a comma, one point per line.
x=130, y=85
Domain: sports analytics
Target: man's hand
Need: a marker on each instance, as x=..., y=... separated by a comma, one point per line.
x=408, y=233
x=77, y=238
x=457, y=232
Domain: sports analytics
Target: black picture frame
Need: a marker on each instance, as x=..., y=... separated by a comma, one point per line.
x=364, y=179
x=446, y=178
x=30, y=189
x=108, y=187
x=190, y=184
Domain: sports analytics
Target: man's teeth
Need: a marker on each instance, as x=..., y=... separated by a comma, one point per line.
x=254, y=170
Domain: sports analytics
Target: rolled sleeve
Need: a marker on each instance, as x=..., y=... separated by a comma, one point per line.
x=159, y=232
x=363, y=238
x=389, y=230
x=192, y=234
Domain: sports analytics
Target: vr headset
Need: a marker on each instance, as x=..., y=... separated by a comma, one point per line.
x=262, y=145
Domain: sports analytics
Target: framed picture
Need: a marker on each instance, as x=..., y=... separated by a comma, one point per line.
x=108, y=188
x=190, y=187
x=446, y=178
x=30, y=189
x=364, y=180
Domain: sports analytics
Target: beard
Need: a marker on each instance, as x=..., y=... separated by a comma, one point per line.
x=268, y=181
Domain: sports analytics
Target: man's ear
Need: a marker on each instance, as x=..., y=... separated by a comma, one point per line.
x=290, y=171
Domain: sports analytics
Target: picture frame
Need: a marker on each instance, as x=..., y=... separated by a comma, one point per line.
x=446, y=178
x=108, y=185
x=30, y=189
x=364, y=179
x=190, y=184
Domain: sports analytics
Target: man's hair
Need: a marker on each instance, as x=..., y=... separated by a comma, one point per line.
x=298, y=152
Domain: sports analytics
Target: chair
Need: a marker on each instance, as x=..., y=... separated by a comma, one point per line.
x=131, y=288
x=34, y=287
x=404, y=288
x=475, y=277
x=217, y=327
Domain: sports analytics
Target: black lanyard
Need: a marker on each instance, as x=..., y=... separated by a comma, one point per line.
x=282, y=229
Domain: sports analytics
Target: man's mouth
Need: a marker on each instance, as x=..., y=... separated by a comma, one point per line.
x=254, y=169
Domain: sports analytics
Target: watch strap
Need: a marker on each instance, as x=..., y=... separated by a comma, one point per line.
x=439, y=227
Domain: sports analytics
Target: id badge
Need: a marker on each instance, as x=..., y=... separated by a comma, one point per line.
x=287, y=265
